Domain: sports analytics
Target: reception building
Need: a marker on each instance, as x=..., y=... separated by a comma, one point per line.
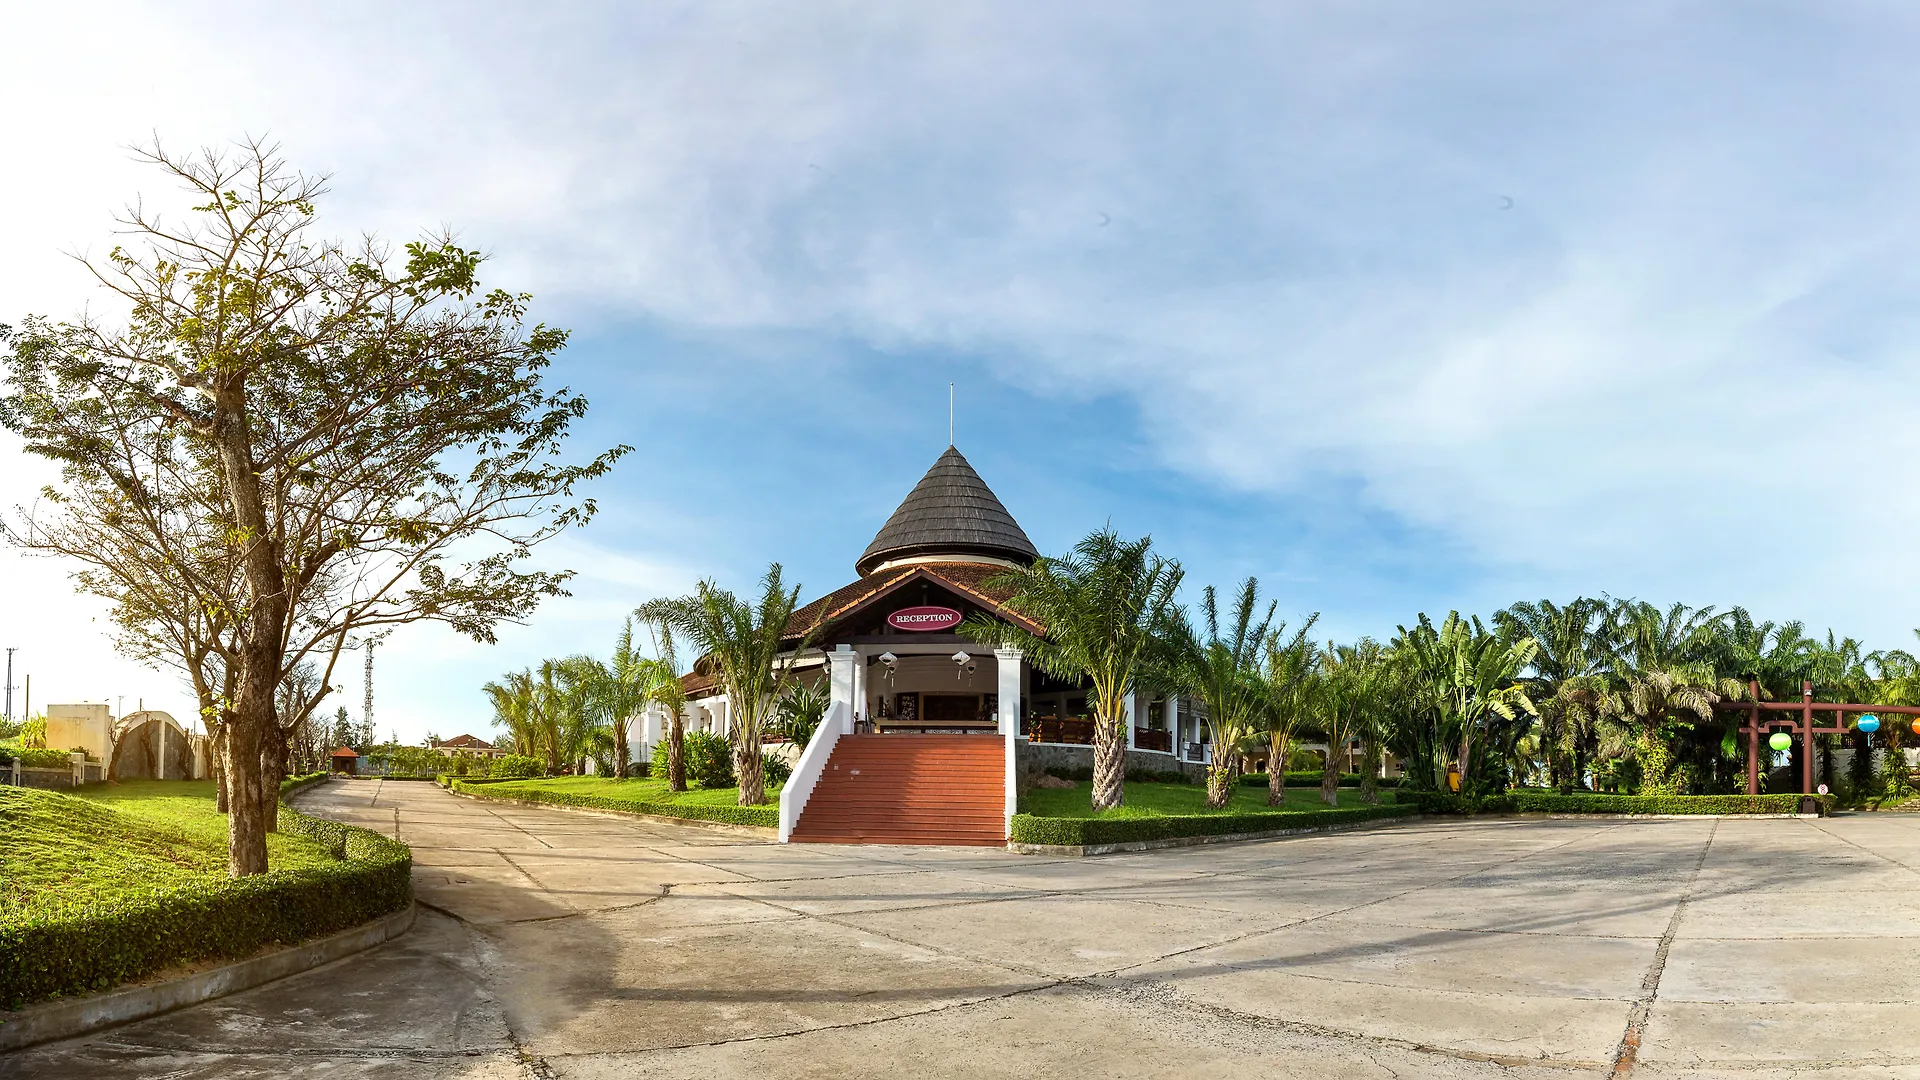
x=928, y=732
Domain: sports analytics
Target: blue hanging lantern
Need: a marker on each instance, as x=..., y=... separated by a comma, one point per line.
x=1780, y=740
x=1868, y=723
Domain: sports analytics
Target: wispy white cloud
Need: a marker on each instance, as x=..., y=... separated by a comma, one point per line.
x=1588, y=291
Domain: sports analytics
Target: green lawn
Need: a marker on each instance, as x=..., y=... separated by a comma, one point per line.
x=1162, y=800
x=648, y=791
x=114, y=840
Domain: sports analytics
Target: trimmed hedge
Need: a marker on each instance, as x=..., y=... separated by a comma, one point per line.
x=102, y=946
x=767, y=816
x=36, y=759
x=1312, y=779
x=1081, y=832
x=1539, y=802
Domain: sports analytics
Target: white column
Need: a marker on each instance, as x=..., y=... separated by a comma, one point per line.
x=841, y=699
x=1007, y=665
x=721, y=721
x=1172, y=711
x=1132, y=707
x=861, y=707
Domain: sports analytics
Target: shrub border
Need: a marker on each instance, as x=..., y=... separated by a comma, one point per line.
x=1540, y=802
x=751, y=817
x=1034, y=834
x=105, y=946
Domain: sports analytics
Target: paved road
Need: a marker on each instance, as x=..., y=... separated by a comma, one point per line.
x=568, y=945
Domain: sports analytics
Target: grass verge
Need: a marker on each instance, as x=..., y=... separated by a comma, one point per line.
x=118, y=882
x=1066, y=818
x=633, y=796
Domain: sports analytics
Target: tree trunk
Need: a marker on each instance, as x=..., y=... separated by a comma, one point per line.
x=1369, y=769
x=220, y=771
x=246, y=832
x=1277, y=769
x=273, y=767
x=620, y=748
x=1330, y=775
x=750, y=768
x=676, y=755
x=1110, y=763
x=1219, y=784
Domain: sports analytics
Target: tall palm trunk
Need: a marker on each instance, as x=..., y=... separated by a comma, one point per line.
x=1277, y=768
x=1369, y=769
x=676, y=754
x=750, y=767
x=1330, y=776
x=1109, y=760
x=620, y=748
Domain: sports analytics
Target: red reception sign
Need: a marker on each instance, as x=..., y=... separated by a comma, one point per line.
x=924, y=618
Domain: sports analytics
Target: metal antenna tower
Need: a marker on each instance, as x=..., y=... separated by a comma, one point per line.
x=10, y=653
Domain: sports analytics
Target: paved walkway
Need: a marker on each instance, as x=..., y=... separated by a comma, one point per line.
x=569, y=945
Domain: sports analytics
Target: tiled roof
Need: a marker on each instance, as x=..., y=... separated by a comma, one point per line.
x=468, y=742
x=951, y=511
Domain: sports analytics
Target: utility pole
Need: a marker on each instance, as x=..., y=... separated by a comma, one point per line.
x=10, y=653
x=367, y=705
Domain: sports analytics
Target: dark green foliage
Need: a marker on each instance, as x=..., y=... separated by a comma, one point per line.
x=1537, y=802
x=106, y=943
x=709, y=760
x=36, y=759
x=778, y=771
x=1079, y=832
x=767, y=816
x=516, y=767
x=1134, y=776
x=1312, y=779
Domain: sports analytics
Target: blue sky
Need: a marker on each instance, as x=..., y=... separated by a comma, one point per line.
x=1399, y=306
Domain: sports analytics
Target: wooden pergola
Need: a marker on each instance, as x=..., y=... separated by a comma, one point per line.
x=1798, y=717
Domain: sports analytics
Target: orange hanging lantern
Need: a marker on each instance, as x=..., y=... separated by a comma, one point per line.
x=1916, y=726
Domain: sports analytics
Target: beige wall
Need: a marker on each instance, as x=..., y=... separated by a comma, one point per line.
x=90, y=726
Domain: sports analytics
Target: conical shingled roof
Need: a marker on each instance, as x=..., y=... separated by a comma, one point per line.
x=951, y=511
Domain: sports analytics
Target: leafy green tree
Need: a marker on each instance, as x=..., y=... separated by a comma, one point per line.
x=1105, y=606
x=1468, y=677
x=743, y=643
x=350, y=419
x=802, y=708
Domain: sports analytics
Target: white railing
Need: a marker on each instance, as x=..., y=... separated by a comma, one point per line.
x=806, y=773
x=813, y=760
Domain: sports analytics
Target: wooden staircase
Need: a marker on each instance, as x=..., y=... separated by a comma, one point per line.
x=909, y=789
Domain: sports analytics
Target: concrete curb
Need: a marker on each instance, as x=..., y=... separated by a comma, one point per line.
x=763, y=832
x=1082, y=850
x=63, y=1019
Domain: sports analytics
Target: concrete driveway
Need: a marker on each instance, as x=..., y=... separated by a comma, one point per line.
x=568, y=945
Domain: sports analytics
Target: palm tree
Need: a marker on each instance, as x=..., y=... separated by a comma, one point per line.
x=1665, y=662
x=1222, y=670
x=741, y=643
x=514, y=709
x=1357, y=678
x=662, y=687
x=1105, y=606
x=602, y=697
x=1294, y=688
x=1570, y=680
